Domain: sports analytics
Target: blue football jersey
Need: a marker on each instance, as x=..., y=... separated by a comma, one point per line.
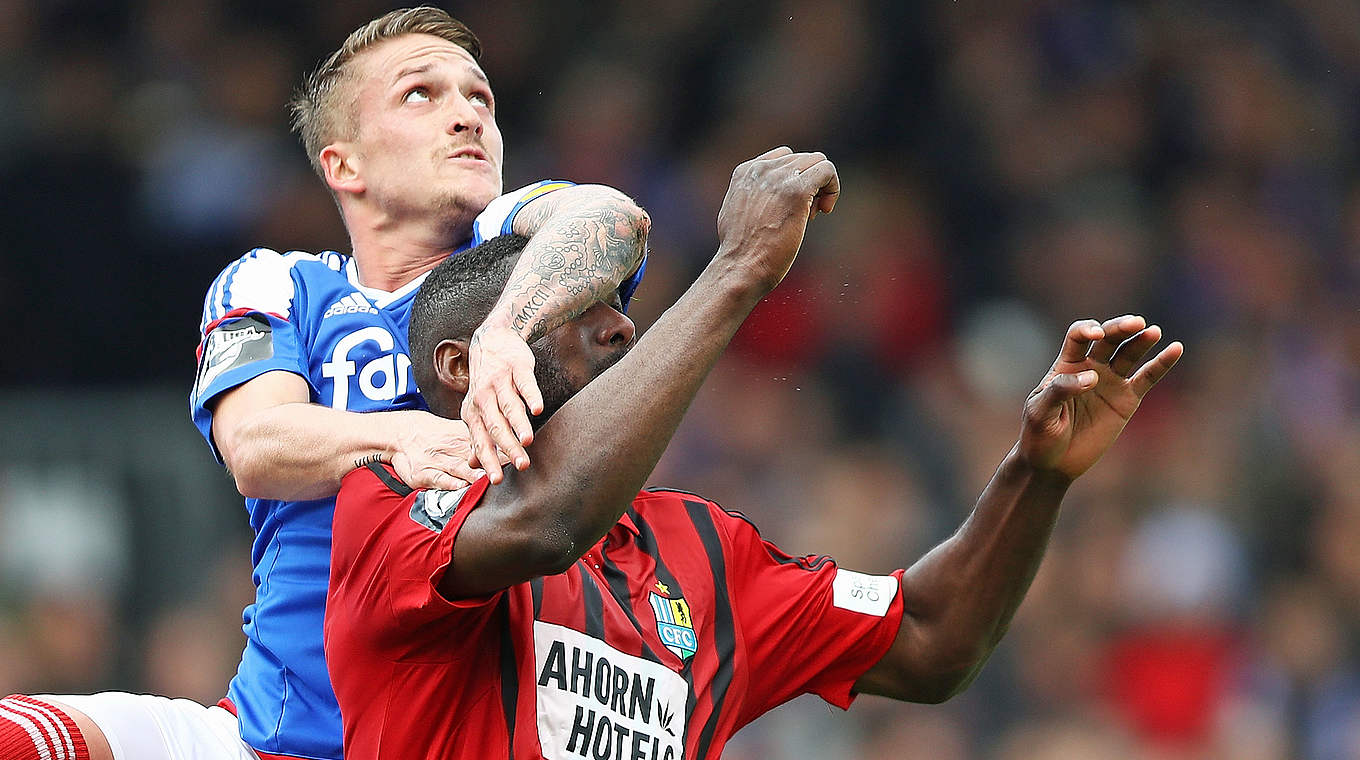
x=307, y=314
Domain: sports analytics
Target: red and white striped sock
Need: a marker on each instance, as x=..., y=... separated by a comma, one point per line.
x=31, y=729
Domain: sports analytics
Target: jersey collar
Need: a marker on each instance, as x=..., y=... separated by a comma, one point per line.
x=626, y=522
x=381, y=298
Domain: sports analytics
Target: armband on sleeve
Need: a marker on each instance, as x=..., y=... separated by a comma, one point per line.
x=499, y=216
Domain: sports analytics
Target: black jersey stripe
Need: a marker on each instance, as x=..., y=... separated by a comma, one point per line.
x=594, y=603
x=724, y=628
x=618, y=586
x=390, y=480
x=536, y=591
x=646, y=541
x=665, y=489
x=509, y=673
x=807, y=563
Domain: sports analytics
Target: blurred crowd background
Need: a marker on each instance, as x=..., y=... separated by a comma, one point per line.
x=1008, y=167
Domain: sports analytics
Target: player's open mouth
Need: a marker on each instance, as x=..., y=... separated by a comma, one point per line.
x=469, y=154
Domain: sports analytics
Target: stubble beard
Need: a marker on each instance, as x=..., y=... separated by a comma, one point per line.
x=456, y=210
x=553, y=380
x=456, y=215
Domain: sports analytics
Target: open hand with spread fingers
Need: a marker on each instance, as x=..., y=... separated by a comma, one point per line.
x=1091, y=392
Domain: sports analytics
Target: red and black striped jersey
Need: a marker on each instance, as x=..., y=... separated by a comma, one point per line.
x=678, y=628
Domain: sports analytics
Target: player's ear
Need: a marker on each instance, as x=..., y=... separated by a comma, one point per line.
x=341, y=164
x=451, y=365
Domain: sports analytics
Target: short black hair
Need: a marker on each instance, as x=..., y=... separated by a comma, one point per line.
x=456, y=297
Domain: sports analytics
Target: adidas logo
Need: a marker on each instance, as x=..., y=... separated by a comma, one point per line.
x=350, y=304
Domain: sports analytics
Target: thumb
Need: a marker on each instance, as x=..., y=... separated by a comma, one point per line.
x=442, y=480
x=1048, y=401
x=431, y=478
x=1074, y=385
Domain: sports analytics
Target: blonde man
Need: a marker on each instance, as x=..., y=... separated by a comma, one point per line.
x=400, y=124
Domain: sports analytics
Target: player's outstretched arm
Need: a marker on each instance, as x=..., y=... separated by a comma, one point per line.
x=958, y=600
x=278, y=445
x=583, y=241
x=595, y=452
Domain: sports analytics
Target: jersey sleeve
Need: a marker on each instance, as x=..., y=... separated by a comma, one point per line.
x=809, y=625
x=249, y=327
x=390, y=549
x=499, y=216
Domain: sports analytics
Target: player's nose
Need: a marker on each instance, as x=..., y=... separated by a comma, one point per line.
x=613, y=328
x=464, y=118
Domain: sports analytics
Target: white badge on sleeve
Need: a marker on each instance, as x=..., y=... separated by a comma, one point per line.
x=867, y=594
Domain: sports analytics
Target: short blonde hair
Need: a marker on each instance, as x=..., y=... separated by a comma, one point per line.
x=321, y=115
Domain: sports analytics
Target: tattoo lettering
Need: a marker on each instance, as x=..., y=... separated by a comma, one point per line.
x=539, y=298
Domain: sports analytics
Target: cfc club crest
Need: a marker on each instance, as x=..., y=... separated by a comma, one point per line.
x=673, y=622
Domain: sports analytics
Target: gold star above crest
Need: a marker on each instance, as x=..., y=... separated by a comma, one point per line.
x=663, y=588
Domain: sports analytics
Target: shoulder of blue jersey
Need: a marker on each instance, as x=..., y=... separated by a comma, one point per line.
x=262, y=280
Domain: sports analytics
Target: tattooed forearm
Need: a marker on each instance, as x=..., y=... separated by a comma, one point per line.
x=575, y=258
